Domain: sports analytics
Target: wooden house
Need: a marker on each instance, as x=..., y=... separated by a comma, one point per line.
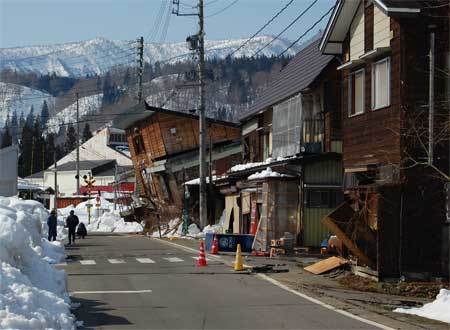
x=164, y=149
x=394, y=185
x=292, y=174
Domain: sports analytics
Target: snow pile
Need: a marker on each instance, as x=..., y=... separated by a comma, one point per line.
x=103, y=219
x=33, y=293
x=439, y=309
x=174, y=229
x=267, y=173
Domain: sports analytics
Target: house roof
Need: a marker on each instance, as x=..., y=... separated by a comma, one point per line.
x=295, y=77
x=343, y=13
x=85, y=165
x=144, y=110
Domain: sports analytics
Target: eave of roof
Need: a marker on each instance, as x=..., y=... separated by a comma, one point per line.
x=345, y=10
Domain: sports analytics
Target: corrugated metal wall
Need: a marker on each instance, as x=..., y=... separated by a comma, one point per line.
x=327, y=172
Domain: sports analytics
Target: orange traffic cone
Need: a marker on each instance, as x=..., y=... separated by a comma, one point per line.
x=215, y=246
x=201, y=261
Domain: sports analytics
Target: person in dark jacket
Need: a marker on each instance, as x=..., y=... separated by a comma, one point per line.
x=51, y=223
x=72, y=223
x=81, y=231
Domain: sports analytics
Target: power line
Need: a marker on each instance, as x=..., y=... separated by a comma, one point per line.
x=312, y=27
x=286, y=28
x=223, y=9
x=262, y=28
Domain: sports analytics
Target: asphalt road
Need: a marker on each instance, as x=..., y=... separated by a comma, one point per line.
x=130, y=282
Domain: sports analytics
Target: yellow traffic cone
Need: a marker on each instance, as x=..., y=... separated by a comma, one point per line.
x=238, y=264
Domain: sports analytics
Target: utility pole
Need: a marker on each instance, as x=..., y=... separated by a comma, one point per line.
x=202, y=121
x=141, y=66
x=197, y=43
x=78, y=149
x=431, y=101
x=55, y=206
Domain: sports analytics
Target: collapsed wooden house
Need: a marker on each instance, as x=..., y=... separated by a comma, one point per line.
x=394, y=219
x=164, y=149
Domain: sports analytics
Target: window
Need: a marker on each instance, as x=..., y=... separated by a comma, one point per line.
x=356, y=92
x=138, y=144
x=381, y=84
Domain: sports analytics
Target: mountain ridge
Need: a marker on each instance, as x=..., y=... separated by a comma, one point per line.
x=98, y=55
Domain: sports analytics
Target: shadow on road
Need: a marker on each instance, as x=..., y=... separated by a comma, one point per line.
x=94, y=315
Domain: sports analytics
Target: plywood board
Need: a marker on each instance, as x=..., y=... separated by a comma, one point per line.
x=326, y=265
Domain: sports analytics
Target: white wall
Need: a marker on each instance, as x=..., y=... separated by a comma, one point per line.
x=96, y=148
x=8, y=171
x=67, y=185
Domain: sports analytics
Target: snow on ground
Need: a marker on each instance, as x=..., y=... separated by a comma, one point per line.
x=174, y=229
x=33, y=293
x=267, y=173
x=439, y=309
x=103, y=219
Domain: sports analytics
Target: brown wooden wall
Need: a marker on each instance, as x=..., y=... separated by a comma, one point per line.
x=373, y=136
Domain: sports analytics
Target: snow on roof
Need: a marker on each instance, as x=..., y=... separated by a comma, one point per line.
x=196, y=181
x=267, y=173
x=246, y=166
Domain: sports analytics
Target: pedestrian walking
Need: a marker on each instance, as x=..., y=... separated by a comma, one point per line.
x=81, y=231
x=72, y=223
x=52, y=223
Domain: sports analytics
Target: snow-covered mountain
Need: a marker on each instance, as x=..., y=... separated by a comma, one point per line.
x=99, y=55
x=88, y=105
x=20, y=99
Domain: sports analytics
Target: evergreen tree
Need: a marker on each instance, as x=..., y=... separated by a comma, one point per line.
x=30, y=118
x=21, y=120
x=50, y=149
x=86, y=133
x=45, y=115
x=14, y=127
x=6, y=136
x=25, y=148
x=71, y=139
x=38, y=147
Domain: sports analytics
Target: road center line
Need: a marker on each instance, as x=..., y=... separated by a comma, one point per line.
x=116, y=261
x=145, y=260
x=87, y=262
x=97, y=292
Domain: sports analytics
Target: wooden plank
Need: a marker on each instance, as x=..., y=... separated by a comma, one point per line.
x=328, y=222
x=326, y=265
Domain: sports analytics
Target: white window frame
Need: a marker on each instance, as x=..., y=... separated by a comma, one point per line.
x=388, y=60
x=350, y=94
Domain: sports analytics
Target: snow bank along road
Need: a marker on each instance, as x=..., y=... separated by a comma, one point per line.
x=142, y=283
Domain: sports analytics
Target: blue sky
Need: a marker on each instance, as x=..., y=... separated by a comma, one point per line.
x=34, y=22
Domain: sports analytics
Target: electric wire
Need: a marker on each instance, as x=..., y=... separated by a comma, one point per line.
x=286, y=28
x=223, y=9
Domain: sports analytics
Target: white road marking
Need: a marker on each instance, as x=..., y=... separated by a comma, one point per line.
x=97, y=292
x=284, y=287
x=116, y=261
x=145, y=260
x=174, y=259
x=61, y=264
x=87, y=262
